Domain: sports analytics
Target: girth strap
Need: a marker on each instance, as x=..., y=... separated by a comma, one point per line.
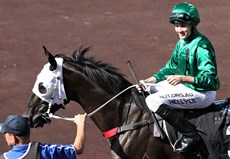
x=126, y=127
x=122, y=129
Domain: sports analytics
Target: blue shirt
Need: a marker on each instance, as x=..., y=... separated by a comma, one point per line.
x=48, y=151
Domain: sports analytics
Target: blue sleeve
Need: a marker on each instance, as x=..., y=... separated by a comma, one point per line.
x=57, y=151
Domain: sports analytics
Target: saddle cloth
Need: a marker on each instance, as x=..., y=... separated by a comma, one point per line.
x=213, y=125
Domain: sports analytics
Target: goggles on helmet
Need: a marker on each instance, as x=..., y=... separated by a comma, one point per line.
x=181, y=16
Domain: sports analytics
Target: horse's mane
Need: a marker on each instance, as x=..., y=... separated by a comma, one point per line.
x=104, y=75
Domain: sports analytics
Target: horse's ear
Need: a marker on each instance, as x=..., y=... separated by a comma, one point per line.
x=51, y=59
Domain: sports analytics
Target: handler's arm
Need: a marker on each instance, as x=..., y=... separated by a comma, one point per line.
x=79, y=142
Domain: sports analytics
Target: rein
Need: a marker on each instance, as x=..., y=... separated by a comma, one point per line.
x=99, y=108
x=117, y=130
x=90, y=114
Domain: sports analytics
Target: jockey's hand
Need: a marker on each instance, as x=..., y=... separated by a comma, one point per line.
x=174, y=79
x=138, y=87
x=141, y=86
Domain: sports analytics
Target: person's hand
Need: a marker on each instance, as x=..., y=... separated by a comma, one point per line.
x=79, y=141
x=138, y=87
x=142, y=86
x=174, y=79
x=80, y=119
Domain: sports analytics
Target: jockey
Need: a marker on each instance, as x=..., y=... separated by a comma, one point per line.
x=189, y=79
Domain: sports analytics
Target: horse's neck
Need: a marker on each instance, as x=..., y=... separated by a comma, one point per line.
x=83, y=91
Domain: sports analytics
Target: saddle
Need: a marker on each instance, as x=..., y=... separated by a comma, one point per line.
x=213, y=125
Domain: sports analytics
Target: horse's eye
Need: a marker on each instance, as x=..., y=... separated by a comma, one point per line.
x=41, y=88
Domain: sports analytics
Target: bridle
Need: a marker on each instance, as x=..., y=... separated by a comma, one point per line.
x=57, y=85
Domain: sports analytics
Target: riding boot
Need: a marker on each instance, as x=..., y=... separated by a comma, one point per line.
x=190, y=136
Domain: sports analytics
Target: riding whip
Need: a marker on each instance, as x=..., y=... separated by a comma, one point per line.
x=162, y=134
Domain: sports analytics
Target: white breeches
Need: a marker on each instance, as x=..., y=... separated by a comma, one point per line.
x=178, y=97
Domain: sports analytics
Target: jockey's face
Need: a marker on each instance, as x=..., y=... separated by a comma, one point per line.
x=183, y=30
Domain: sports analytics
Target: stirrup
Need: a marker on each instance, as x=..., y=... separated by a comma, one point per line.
x=185, y=143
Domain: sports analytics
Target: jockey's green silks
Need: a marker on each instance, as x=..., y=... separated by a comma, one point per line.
x=193, y=56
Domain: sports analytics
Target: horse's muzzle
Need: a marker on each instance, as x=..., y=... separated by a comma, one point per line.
x=40, y=120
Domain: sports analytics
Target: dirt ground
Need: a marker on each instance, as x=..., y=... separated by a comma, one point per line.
x=121, y=30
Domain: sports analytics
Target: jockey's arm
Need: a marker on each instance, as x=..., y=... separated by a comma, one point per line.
x=151, y=79
x=176, y=79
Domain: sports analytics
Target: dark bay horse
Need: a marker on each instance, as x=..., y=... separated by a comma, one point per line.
x=125, y=121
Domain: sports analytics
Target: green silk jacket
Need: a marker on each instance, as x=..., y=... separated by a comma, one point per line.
x=194, y=56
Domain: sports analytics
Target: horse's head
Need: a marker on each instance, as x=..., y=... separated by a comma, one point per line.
x=48, y=92
x=87, y=82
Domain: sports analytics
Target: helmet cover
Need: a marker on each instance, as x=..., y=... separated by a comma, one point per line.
x=185, y=13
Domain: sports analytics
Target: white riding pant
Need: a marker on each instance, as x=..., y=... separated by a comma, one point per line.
x=178, y=97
